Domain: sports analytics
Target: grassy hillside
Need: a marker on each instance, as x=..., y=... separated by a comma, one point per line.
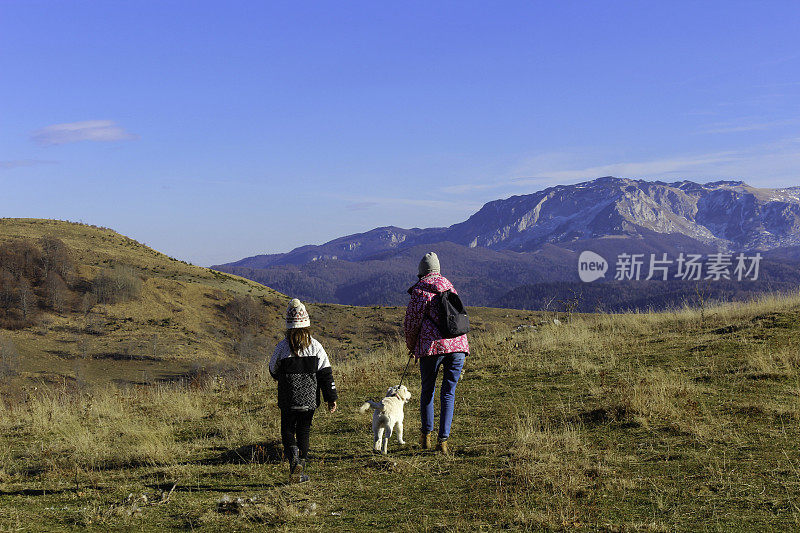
x=183, y=321
x=647, y=422
x=176, y=319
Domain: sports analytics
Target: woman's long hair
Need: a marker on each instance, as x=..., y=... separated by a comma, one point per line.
x=299, y=339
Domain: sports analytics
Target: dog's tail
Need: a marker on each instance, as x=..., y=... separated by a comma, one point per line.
x=369, y=404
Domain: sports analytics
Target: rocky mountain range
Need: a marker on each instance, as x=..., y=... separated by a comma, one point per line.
x=535, y=238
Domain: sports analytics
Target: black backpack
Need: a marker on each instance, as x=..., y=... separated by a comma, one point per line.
x=454, y=319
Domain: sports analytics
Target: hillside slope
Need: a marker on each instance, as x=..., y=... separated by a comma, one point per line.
x=679, y=421
x=175, y=320
x=182, y=321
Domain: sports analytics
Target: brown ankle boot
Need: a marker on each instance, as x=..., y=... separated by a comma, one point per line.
x=441, y=446
x=425, y=440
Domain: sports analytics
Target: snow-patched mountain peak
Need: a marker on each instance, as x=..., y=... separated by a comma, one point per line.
x=726, y=214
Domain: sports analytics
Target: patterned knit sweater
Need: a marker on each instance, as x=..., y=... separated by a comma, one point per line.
x=422, y=335
x=301, y=377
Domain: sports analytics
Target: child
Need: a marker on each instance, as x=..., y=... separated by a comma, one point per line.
x=302, y=369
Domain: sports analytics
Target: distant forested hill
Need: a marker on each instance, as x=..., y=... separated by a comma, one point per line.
x=546, y=279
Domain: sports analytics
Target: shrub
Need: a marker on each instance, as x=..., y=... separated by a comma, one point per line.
x=56, y=291
x=118, y=284
x=22, y=259
x=55, y=258
x=243, y=312
x=26, y=298
x=7, y=285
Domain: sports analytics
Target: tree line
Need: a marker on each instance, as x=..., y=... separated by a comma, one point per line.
x=37, y=275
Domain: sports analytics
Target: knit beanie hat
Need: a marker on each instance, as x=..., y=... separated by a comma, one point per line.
x=429, y=263
x=296, y=315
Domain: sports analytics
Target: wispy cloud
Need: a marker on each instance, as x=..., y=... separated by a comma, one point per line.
x=730, y=127
x=366, y=202
x=655, y=167
x=471, y=187
x=778, y=85
x=19, y=163
x=545, y=177
x=737, y=71
x=87, y=130
x=465, y=188
x=701, y=113
x=360, y=206
x=769, y=165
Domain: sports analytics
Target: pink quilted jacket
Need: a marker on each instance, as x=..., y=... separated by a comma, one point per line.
x=422, y=335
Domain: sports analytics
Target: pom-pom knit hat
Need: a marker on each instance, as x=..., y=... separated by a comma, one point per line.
x=296, y=315
x=428, y=264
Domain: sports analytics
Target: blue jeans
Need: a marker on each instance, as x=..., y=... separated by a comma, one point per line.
x=452, y=364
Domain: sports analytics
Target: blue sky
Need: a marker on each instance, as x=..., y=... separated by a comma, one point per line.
x=217, y=130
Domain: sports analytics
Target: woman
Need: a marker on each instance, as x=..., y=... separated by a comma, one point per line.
x=427, y=344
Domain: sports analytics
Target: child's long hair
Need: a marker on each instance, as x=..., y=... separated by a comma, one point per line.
x=299, y=339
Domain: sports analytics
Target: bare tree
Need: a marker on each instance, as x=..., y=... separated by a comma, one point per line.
x=117, y=284
x=572, y=303
x=83, y=348
x=243, y=312
x=22, y=259
x=702, y=294
x=26, y=298
x=547, y=307
x=87, y=303
x=7, y=289
x=55, y=257
x=56, y=292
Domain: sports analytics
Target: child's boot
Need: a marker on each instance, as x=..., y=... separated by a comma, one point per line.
x=300, y=476
x=296, y=466
x=294, y=462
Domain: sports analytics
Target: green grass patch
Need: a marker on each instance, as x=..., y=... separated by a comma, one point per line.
x=647, y=422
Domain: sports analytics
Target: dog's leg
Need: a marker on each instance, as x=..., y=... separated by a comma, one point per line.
x=400, y=432
x=386, y=437
x=379, y=436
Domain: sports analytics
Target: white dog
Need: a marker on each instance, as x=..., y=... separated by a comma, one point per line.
x=388, y=416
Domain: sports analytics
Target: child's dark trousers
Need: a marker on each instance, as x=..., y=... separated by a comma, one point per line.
x=296, y=430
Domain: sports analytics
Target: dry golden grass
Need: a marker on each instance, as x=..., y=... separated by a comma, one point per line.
x=584, y=439
x=683, y=420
